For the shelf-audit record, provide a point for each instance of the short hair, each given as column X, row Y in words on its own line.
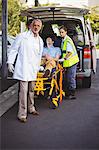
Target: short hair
column 63, row 27
column 37, row 20
column 51, row 36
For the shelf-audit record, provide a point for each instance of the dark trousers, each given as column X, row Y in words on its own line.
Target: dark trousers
column 69, row 78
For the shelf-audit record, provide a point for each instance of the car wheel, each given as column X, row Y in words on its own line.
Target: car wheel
column 86, row 82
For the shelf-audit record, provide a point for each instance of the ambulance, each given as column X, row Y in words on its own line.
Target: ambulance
column 79, row 29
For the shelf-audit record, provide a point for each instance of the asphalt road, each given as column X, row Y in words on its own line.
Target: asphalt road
column 73, row 126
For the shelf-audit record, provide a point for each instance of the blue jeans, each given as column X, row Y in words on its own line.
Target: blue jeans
column 69, row 82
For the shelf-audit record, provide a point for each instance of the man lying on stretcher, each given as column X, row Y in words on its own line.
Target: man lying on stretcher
column 50, row 55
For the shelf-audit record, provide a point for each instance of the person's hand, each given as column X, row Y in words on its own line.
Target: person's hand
column 11, row 68
column 41, row 68
column 48, row 57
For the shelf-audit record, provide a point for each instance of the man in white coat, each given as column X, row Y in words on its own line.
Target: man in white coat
column 28, row 48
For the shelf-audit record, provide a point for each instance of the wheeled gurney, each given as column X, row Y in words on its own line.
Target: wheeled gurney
column 52, row 84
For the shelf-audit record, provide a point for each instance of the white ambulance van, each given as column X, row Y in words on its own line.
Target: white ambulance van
column 79, row 30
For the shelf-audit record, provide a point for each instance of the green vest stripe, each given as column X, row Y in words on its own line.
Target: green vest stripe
column 74, row 58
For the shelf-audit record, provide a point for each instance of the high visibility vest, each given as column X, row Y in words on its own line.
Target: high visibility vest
column 73, row 59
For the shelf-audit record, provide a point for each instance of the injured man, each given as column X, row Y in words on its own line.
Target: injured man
column 51, row 55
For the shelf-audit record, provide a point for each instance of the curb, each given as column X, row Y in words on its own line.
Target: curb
column 8, row 98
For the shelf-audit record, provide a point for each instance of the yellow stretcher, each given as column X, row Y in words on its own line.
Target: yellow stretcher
column 53, row 84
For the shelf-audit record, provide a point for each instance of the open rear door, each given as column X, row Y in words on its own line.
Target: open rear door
column 51, row 12
column 92, row 46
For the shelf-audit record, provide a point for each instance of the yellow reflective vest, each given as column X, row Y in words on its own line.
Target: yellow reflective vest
column 73, row 59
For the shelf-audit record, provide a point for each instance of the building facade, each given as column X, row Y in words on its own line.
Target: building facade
column 93, row 3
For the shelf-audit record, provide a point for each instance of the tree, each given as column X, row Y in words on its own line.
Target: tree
column 94, row 18
column 14, row 18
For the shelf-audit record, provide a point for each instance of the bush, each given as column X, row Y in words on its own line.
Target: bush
column 97, row 46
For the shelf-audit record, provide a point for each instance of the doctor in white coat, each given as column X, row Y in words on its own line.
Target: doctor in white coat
column 28, row 48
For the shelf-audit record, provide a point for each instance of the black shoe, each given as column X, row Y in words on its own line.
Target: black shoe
column 70, row 97
column 46, row 74
column 72, row 94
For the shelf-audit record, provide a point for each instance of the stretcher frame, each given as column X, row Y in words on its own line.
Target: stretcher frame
column 54, row 85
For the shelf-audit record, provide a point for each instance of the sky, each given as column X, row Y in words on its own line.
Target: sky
column 63, row 2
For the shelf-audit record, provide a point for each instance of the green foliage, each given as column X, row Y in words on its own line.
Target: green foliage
column 49, row 4
column 97, row 46
column 14, row 18
column 94, row 18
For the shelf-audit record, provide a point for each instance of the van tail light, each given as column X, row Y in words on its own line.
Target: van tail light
column 87, row 53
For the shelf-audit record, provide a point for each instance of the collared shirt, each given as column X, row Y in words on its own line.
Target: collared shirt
column 52, row 51
column 37, row 44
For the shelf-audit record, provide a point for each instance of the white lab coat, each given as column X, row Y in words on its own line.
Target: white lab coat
column 28, row 59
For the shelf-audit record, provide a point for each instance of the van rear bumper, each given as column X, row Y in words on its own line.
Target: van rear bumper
column 85, row 73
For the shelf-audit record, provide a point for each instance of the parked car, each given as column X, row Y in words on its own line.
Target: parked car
column 10, row 40
column 5, row 84
column 79, row 30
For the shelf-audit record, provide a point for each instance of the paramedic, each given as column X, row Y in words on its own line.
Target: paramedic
column 28, row 48
column 71, row 59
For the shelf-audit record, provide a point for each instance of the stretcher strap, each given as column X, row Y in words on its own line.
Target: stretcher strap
column 60, row 81
column 60, row 85
column 53, row 83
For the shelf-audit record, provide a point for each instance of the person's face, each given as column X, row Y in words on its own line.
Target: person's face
column 36, row 27
column 62, row 33
column 49, row 42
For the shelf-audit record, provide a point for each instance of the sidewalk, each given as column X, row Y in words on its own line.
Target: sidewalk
column 8, row 98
